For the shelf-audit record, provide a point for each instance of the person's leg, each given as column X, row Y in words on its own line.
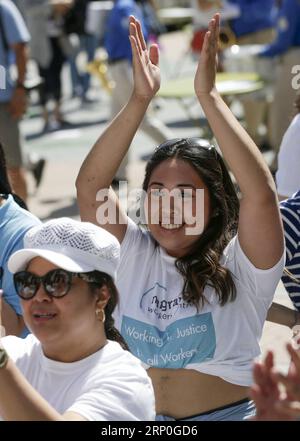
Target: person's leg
column 121, row 74
column 44, row 92
column 11, row 139
column 76, row 77
column 89, row 43
column 255, row 109
column 56, row 70
column 281, row 112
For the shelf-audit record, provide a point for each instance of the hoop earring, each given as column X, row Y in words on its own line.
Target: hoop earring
column 102, row 319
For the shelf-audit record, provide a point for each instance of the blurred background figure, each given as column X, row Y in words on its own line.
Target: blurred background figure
column 286, row 48
column 153, row 25
column 118, row 48
column 14, row 37
column 203, row 11
column 255, row 26
column 288, row 173
column 50, row 48
column 75, row 24
column 255, row 23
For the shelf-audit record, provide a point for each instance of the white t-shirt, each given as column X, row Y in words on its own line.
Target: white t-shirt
column 288, row 173
column 166, row 332
column 109, row 385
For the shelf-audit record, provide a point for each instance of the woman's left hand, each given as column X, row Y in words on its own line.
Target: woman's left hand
column 145, row 63
column 265, row 391
column 291, row 381
column 205, row 78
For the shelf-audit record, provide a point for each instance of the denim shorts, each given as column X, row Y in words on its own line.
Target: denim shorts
column 239, row 411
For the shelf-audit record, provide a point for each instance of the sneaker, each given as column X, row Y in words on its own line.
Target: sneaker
column 37, row 171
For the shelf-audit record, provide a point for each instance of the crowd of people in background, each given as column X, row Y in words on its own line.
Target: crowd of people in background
column 167, row 323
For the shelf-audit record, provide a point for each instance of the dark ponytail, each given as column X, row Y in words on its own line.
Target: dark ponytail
column 5, row 187
column 109, row 325
column 111, row 331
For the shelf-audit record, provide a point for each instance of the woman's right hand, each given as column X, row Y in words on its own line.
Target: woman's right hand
column 146, row 72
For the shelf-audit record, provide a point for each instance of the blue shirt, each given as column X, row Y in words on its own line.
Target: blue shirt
column 116, row 39
column 287, row 28
column 15, row 31
column 290, row 211
column 255, row 16
column 14, row 223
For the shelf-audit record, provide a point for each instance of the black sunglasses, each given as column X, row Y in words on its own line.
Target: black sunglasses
column 56, row 283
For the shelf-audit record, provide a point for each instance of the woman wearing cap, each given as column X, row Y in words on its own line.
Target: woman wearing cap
column 70, row 368
column 192, row 303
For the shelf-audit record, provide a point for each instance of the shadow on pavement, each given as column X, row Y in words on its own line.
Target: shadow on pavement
column 70, row 210
column 68, row 126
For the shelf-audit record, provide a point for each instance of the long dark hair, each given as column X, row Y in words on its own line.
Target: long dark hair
column 109, row 325
column 201, row 267
column 5, row 187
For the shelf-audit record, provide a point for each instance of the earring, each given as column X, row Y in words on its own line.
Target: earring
column 102, row 319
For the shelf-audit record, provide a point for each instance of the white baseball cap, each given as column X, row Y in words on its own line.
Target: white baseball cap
column 75, row 246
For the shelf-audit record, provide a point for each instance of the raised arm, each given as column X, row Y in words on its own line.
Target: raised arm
column 101, row 164
column 260, row 228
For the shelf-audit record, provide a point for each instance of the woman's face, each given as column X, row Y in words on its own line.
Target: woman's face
column 57, row 320
column 177, row 206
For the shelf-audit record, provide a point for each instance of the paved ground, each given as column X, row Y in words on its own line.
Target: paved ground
column 66, row 149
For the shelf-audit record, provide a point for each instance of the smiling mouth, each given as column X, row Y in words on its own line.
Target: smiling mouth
column 171, row 226
column 44, row 316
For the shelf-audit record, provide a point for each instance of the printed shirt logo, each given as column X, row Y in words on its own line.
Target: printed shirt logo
column 153, row 303
column 186, row 341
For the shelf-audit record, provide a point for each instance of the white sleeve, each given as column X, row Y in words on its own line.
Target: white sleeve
column 20, row 349
column 133, row 245
column 260, row 282
column 14, row 346
column 117, row 399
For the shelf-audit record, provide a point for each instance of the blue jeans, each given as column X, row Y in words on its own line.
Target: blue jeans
column 240, row 411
